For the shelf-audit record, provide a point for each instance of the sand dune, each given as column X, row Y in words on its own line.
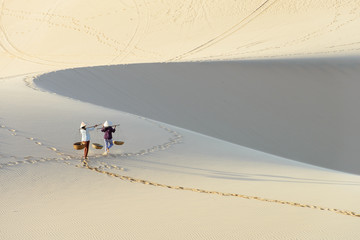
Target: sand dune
column 188, row 185
column 303, row 110
column 49, row 35
column 175, row 177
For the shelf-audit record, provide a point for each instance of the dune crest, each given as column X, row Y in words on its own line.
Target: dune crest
column 277, row 76
column 163, row 31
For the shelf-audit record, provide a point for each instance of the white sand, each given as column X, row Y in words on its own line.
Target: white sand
column 304, row 109
column 167, row 182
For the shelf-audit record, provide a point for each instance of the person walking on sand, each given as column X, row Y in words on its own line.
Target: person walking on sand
column 85, row 137
column 108, row 130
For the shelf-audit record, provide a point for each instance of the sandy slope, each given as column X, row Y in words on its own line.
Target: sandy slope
column 305, row 110
column 165, row 182
column 47, row 195
column 42, row 35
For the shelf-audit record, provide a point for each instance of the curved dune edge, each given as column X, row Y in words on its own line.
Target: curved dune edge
column 300, row 109
column 160, row 31
column 46, row 194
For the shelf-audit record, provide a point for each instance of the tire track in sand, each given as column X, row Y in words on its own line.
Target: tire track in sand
column 52, row 20
column 253, row 15
column 139, row 32
column 12, row 50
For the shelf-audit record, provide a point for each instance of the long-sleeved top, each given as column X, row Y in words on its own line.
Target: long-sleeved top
column 108, row 132
column 85, row 135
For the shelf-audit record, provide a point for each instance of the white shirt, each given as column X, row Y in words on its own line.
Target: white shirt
column 85, row 135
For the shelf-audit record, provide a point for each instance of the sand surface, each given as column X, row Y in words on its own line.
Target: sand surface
column 216, row 147
column 303, row 109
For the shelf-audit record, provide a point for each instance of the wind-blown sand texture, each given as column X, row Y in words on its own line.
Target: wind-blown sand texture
column 239, row 119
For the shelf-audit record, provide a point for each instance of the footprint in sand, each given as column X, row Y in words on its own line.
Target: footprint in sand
column 118, row 168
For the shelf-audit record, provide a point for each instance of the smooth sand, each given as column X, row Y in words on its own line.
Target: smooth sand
column 168, row 181
column 304, row 109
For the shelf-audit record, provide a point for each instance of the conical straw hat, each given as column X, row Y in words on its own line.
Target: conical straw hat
column 107, row 123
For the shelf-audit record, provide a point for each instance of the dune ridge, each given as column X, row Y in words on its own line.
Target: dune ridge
column 193, row 85
column 303, row 109
column 157, row 31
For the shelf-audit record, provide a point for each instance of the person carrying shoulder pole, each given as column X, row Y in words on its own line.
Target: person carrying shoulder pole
column 108, row 130
column 85, row 137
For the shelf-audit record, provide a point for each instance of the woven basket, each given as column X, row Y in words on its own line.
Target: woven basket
column 78, row 146
column 97, row 146
column 118, row 142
